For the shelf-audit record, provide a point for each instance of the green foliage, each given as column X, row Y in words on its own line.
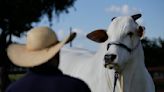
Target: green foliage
column 16, row 16
column 154, row 51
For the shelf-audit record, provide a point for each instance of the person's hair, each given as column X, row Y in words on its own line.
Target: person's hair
column 52, row 64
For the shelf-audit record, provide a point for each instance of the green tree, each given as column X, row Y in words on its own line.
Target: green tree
column 16, row 17
column 154, row 51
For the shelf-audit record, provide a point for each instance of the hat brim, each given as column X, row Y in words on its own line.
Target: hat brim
column 21, row 56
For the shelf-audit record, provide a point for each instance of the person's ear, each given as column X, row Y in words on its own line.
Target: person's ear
column 99, row 35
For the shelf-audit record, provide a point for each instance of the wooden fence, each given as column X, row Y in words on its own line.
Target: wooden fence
column 157, row 74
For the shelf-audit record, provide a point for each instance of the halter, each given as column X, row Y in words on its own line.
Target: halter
column 129, row 50
column 116, row 75
column 124, row 46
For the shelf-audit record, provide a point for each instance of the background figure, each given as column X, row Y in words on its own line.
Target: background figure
column 41, row 56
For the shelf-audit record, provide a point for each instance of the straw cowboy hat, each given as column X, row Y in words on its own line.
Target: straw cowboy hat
column 42, row 44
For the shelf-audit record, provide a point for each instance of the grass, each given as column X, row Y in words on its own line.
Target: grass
column 14, row 77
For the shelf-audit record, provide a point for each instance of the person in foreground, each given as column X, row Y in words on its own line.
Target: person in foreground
column 41, row 54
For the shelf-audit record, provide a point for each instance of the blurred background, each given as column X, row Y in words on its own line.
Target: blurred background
column 81, row 16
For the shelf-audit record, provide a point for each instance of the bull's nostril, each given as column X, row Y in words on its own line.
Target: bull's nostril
column 106, row 57
column 109, row 57
column 113, row 56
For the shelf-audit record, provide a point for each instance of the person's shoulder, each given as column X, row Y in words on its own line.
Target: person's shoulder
column 11, row 87
column 17, row 84
column 71, row 78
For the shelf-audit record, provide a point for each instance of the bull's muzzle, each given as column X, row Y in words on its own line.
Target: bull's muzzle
column 109, row 59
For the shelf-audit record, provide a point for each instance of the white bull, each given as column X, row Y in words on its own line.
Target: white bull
column 120, row 50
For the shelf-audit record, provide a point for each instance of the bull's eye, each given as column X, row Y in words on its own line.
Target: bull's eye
column 130, row 34
column 108, row 46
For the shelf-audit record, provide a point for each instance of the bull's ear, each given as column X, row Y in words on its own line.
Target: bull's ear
column 99, row 36
column 136, row 16
column 140, row 31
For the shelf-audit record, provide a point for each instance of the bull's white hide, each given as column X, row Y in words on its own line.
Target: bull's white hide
column 90, row 66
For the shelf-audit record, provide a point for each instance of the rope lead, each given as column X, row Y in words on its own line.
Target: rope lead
column 115, row 80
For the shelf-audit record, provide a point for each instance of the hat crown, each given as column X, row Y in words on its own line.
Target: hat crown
column 40, row 38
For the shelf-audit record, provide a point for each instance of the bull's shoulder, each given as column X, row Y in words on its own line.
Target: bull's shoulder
column 77, row 52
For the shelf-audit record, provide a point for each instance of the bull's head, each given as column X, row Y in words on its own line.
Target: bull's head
column 121, row 39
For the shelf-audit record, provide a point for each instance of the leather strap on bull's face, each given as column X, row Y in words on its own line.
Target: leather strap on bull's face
column 123, row 46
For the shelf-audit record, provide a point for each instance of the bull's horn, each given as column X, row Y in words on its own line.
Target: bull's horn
column 136, row 16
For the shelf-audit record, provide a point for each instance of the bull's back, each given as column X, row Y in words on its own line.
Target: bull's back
column 73, row 60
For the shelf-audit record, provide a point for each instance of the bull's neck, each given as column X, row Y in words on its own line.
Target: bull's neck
column 135, row 67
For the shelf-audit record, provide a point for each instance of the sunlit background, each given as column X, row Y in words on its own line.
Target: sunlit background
column 84, row 17
column 88, row 15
